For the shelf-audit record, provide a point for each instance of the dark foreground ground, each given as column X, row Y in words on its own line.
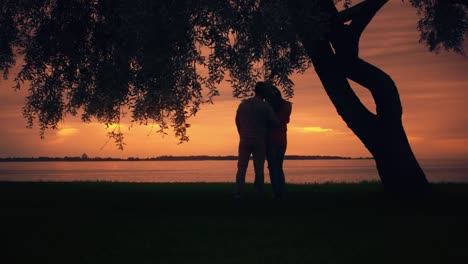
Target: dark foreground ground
column 201, row 223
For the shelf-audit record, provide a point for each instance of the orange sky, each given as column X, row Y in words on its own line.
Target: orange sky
column 433, row 90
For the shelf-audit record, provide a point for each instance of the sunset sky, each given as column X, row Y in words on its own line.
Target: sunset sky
column 433, row 90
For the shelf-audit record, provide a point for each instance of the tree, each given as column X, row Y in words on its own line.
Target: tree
column 102, row 58
column 383, row 133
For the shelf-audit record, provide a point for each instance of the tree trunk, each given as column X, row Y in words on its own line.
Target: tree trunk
column 387, row 141
column 382, row 133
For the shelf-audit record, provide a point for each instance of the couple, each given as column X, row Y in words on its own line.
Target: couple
column 262, row 124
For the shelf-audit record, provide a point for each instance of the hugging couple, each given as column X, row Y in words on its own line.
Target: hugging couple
column 262, row 125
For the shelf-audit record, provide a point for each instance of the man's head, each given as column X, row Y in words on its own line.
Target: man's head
column 261, row 89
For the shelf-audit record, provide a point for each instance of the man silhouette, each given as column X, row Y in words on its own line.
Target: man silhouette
column 253, row 118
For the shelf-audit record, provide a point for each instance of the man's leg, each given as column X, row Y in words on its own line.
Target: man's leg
column 259, row 154
column 242, row 164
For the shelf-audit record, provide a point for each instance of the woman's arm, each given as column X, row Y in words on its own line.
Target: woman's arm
column 285, row 112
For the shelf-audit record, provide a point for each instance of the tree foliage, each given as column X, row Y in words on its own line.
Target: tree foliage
column 160, row 60
column 442, row 23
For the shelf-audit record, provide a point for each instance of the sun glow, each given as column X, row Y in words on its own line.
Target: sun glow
column 314, row 129
column 67, row 131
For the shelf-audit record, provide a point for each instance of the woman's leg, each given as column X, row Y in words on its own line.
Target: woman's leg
column 275, row 157
column 271, row 167
column 281, row 150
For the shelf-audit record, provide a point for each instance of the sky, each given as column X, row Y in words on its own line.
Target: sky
column 433, row 91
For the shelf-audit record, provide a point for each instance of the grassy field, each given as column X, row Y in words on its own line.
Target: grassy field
column 200, row 223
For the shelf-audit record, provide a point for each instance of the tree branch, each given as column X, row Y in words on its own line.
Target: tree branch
column 381, row 86
column 356, row 10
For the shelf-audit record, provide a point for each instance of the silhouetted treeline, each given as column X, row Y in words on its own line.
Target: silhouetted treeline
column 168, row 158
column 231, row 157
column 59, row 159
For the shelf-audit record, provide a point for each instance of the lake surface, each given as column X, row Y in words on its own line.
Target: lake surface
column 297, row 171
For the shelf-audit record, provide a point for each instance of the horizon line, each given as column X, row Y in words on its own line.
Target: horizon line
column 84, row 157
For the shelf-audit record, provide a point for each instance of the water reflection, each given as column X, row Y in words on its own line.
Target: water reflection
column 297, row 171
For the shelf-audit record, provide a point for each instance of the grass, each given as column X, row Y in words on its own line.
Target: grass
column 99, row 222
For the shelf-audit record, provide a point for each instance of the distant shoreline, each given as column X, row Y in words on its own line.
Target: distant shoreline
column 168, row 158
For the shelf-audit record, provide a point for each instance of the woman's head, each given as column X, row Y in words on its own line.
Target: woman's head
column 274, row 98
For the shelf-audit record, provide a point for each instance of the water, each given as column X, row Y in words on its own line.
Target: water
column 297, row 171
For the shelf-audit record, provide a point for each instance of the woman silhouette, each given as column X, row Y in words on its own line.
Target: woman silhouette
column 277, row 141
